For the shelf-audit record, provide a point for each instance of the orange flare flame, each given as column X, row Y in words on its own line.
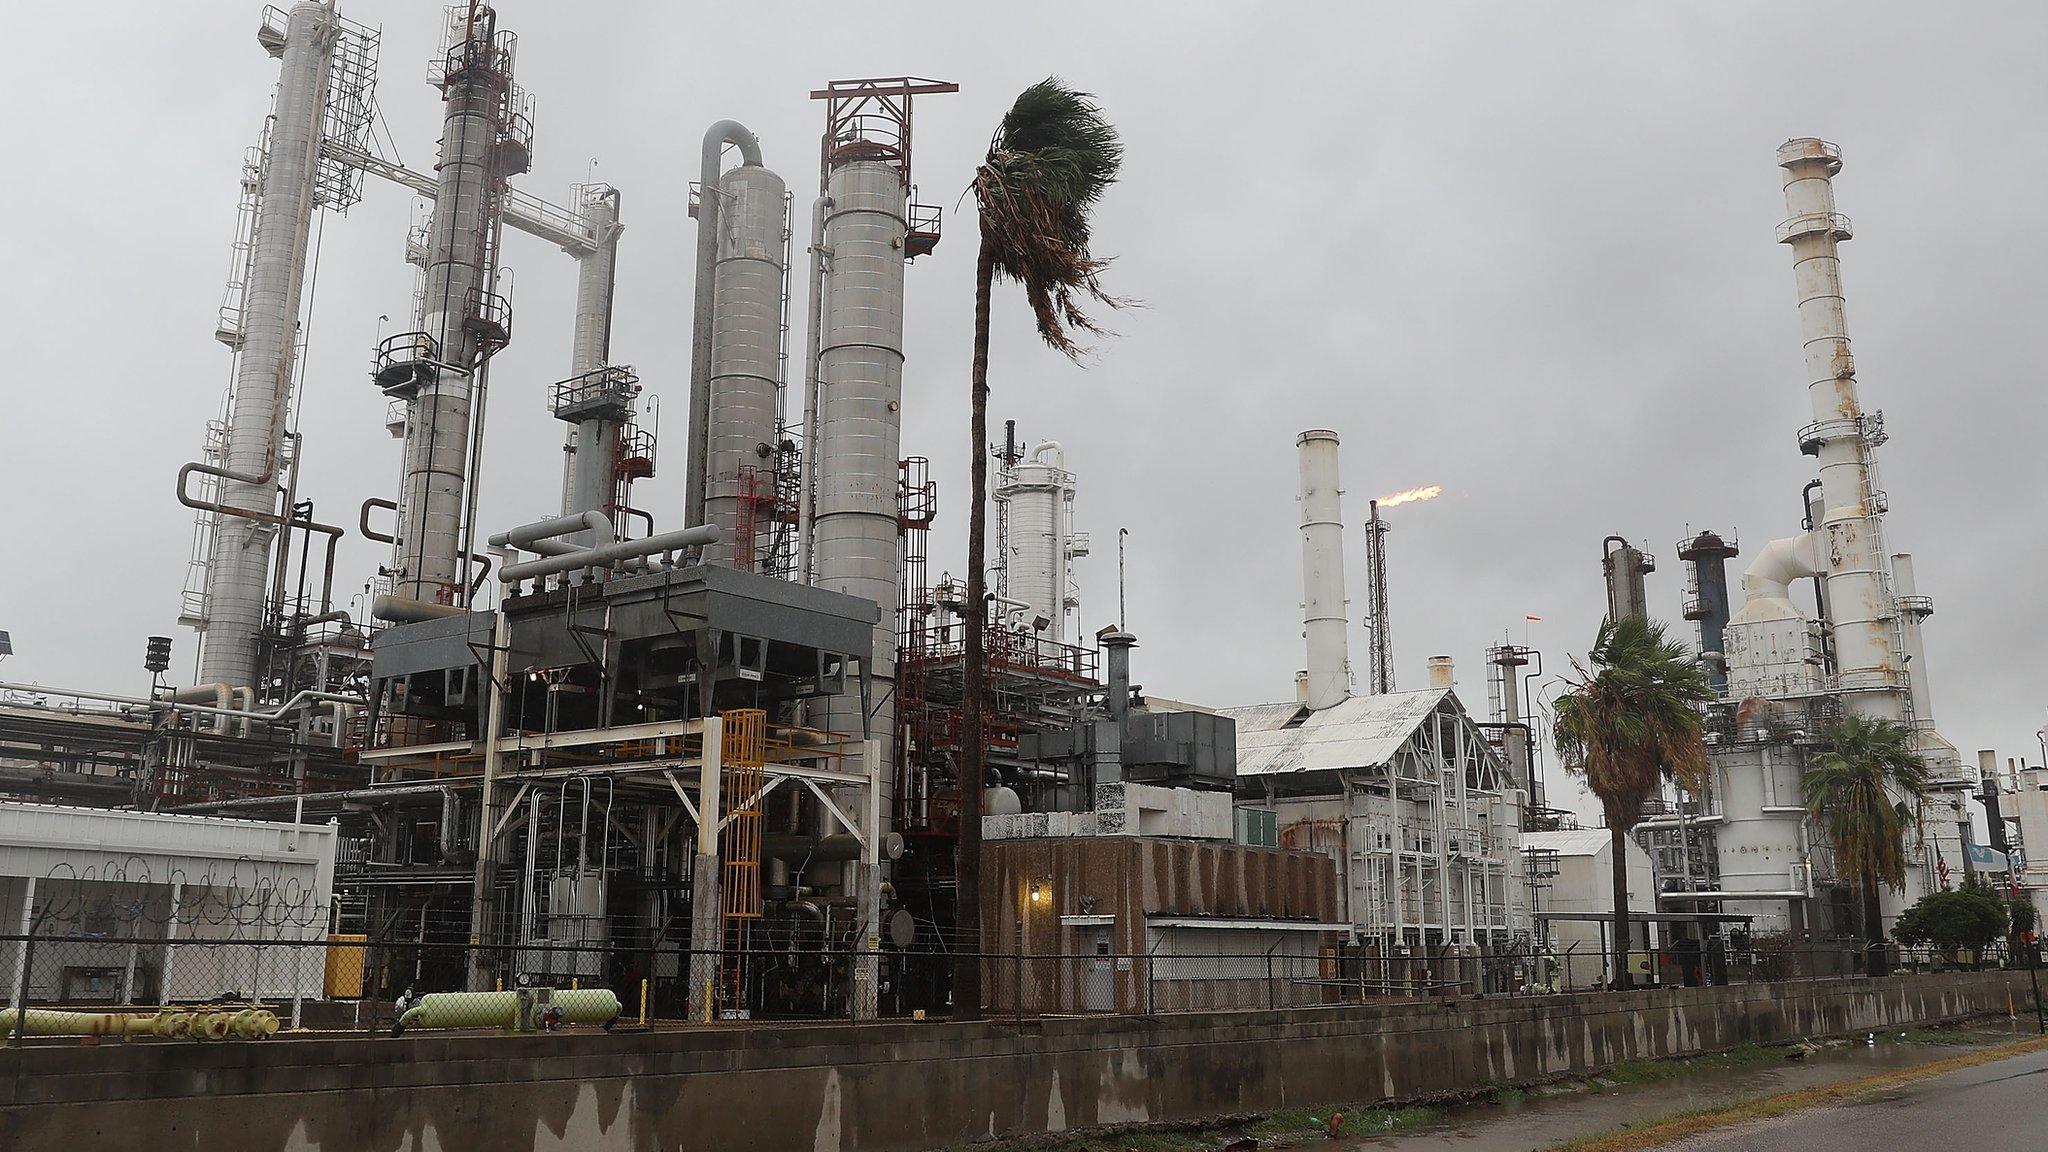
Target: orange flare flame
column 1430, row 492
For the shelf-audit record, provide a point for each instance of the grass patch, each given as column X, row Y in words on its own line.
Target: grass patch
column 1745, row 1055
column 1634, row 1138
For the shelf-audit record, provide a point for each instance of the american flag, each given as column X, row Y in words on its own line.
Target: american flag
column 1941, row 868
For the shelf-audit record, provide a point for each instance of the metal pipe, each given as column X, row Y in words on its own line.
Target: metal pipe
column 395, row 609
column 710, row 162
column 527, row 535
column 611, row 554
column 807, row 491
column 1322, row 571
column 286, row 709
column 829, row 849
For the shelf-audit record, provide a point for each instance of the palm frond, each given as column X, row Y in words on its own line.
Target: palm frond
column 1867, row 788
column 1634, row 720
column 1051, row 159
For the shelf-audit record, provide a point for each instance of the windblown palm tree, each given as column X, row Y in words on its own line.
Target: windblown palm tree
column 1050, row 161
column 1867, row 789
column 1631, row 723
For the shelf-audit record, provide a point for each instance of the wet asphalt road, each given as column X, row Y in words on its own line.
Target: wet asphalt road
column 1997, row 1107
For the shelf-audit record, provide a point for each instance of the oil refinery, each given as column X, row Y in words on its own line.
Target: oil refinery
column 693, row 729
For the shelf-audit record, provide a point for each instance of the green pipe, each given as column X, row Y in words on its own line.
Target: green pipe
column 501, row 1009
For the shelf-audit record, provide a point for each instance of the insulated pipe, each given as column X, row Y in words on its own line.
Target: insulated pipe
column 393, row 609
column 710, row 162
column 611, row 554
column 527, row 536
column 1777, row 564
column 238, row 566
column 1322, row 572
column 283, row 710
column 807, row 492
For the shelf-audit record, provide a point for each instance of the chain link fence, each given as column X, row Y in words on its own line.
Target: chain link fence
column 179, row 982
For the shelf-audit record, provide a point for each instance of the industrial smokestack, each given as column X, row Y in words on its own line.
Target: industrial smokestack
column 1442, row 671
column 1624, row 566
column 1322, row 572
column 1859, row 601
column 1116, row 646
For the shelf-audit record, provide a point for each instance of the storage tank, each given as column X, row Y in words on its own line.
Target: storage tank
column 746, row 363
column 1040, row 495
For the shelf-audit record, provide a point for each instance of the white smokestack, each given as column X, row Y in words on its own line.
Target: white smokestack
column 1322, row 572
column 1441, row 672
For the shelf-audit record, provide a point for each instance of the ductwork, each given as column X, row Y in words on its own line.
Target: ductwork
column 1770, row 575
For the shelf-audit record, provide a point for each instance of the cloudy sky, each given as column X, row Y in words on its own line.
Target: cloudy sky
column 1521, row 251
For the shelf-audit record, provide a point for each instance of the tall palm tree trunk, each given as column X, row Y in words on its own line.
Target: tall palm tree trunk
column 1873, row 930
column 1619, row 850
column 974, row 693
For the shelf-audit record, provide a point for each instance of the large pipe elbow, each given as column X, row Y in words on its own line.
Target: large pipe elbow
column 734, row 133
column 1777, row 565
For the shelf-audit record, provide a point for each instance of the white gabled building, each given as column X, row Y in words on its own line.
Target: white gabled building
column 1404, row 791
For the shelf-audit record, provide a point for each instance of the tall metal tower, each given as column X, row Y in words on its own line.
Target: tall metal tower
column 441, row 371
column 871, row 229
column 324, row 100
column 1379, row 623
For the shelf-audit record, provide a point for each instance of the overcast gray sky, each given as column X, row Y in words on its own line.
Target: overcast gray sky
column 1521, row 251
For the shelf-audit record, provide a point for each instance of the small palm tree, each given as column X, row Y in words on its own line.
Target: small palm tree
column 1866, row 789
column 1627, row 726
column 1051, row 159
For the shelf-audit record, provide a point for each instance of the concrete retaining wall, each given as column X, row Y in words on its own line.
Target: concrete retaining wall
column 886, row 1087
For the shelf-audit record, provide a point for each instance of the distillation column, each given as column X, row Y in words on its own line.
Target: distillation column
column 855, row 538
column 600, row 403
column 238, row 571
column 1042, row 541
column 752, row 224
column 462, row 315
column 1859, row 597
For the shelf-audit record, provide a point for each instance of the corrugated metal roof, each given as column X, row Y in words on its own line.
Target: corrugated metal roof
column 1362, row 732
column 1568, row 841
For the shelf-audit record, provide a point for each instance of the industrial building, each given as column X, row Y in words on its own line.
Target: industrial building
column 1403, row 790
column 717, row 753
column 1786, row 662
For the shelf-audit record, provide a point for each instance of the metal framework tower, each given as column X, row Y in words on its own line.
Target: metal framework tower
column 1379, row 622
